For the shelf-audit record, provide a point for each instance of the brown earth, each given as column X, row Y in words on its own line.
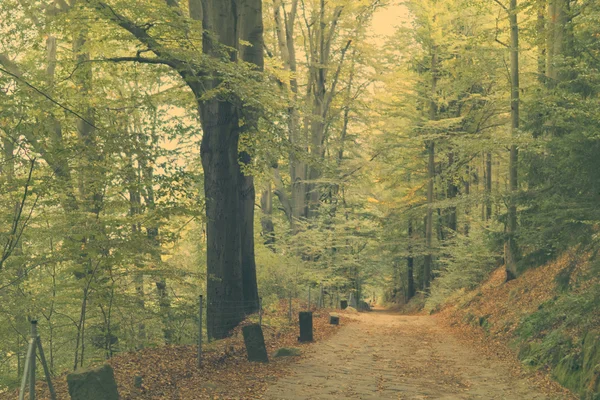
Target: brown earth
column 386, row 355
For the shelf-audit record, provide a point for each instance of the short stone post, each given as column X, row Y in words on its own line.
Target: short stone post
column 290, row 308
column 255, row 343
column 200, row 332
column 306, row 326
column 260, row 311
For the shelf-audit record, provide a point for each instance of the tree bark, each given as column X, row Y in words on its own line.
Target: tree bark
column 250, row 30
column 452, row 193
column 410, row 290
column 510, row 245
column 555, row 35
column 428, row 261
column 266, row 221
column 488, row 186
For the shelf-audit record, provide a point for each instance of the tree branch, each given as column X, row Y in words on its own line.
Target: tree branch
column 141, row 60
column 501, row 5
column 17, row 77
column 13, row 238
column 336, row 78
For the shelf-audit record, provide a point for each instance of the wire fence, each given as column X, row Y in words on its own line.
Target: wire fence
column 204, row 324
column 227, row 314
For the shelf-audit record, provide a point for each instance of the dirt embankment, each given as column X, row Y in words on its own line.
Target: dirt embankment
column 545, row 321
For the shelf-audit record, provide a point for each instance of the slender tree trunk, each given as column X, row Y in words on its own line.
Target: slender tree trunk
column 410, row 290
column 80, row 330
column 467, row 189
column 428, row 262
column 284, row 25
column 452, row 193
column 266, row 205
column 555, row 36
column 488, row 186
column 510, row 245
column 540, row 40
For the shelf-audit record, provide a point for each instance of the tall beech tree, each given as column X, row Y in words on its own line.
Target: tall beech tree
column 224, row 114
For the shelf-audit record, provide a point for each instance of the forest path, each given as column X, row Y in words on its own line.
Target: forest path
column 391, row 356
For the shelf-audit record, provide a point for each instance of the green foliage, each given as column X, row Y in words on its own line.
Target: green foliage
column 546, row 338
column 465, row 262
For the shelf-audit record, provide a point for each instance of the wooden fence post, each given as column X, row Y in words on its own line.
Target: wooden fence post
column 290, row 308
column 200, row 332
column 260, row 311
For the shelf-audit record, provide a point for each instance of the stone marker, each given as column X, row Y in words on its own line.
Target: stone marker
column 344, row 304
column 137, row 381
column 255, row 343
column 334, row 320
column 306, row 327
column 363, row 306
column 93, row 384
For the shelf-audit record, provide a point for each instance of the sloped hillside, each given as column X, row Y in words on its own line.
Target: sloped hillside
column 549, row 316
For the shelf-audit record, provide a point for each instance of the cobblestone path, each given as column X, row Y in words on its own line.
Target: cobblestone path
column 391, row 356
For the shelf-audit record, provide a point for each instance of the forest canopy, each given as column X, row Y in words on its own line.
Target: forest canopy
column 153, row 151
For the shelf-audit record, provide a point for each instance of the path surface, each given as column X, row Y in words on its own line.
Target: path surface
column 391, row 356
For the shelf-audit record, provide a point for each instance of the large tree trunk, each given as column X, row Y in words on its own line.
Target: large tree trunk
column 230, row 195
column 510, row 245
column 219, row 152
column 247, row 198
column 250, row 30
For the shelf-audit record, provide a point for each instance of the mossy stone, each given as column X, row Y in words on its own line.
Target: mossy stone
column 93, row 384
column 287, row 352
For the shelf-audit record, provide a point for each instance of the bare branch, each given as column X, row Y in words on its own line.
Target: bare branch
column 15, row 235
column 141, row 60
column 336, row 77
column 67, row 109
column 501, row 5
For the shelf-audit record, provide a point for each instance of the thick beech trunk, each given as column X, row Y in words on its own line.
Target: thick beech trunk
column 250, row 30
column 219, row 151
column 230, row 194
